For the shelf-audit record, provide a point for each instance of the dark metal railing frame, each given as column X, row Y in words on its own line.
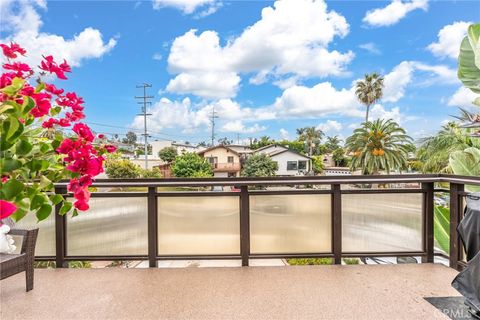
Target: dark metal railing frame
column 427, row 189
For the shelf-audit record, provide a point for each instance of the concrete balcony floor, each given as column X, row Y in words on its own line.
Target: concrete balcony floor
column 289, row 292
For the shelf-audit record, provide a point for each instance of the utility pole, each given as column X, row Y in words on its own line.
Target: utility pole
column 213, row 116
column 238, row 138
column 144, row 113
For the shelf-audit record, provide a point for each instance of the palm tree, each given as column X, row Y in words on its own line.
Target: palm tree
column 332, row 143
column 369, row 90
column 311, row 136
column 379, row 145
column 435, row 151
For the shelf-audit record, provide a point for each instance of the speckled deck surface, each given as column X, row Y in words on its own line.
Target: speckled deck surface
column 290, row 292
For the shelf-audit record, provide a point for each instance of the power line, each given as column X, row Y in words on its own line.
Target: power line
column 145, row 102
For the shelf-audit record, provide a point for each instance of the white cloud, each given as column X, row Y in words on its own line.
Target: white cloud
column 330, row 125
column 238, row 126
column 319, row 100
column 394, row 12
column 24, row 23
column 285, row 41
column 370, row 47
column 379, row 112
column 449, row 39
column 284, row 134
column 205, row 84
column 438, row 73
column 187, row 6
column 396, row 81
column 157, row 56
column 463, row 97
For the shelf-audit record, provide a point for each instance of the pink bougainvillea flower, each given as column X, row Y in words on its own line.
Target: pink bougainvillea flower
column 110, row 148
column 101, row 136
column 10, row 51
column 49, row 65
column 6, row 209
column 53, row 90
column 18, row 67
column 4, row 179
column 83, row 131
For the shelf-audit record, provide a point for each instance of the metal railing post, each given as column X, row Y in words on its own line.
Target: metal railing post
column 60, row 232
column 455, row 216
column 244, row 225
column 152, row 228
column 428, row 216
column 337, row 223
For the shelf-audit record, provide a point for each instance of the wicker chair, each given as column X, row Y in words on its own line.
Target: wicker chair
column 11, row 264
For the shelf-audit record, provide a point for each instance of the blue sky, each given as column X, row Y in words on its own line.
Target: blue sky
column 267, row 67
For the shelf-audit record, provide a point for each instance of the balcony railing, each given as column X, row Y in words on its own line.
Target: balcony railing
column 275, row 217
column 228, row 166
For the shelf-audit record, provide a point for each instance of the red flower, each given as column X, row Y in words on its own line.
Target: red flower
column 83, row 131
column 66, row 146
column 4, row 179
column 53, row 90
column 12, row 50
column 49, row 123
column 101, row 136
column 6, row 79
column 18, row 67
column 81, row 205
column 49, row 65
column 6, row 209
column 110, row 148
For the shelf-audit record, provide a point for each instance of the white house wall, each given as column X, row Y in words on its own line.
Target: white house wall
column 282, row 160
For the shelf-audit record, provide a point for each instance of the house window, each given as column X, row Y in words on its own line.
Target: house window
column 292, row 165
column 213, row 160
column 302, row 165
column 230, row 159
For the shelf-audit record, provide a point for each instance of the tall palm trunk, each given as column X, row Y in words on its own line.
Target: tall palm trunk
column 368, row 111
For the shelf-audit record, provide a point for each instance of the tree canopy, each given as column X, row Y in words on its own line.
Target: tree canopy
column 191, row 165
column 168, row 154
column 259, row 165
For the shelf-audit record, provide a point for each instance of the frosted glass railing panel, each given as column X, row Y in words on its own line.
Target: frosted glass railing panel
column 198, row 225
column 290, row 223
column 382, row 222
column 112, row 226
column 46, row 233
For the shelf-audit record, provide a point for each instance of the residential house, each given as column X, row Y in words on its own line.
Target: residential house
column 225, row 161
column 290, row 163
column 158, row 145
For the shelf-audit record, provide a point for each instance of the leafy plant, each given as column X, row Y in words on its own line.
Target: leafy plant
column 168, row 154
column 317, row 164
column 466, row 163
column 259, row 165
column 351, row 261
column 469, row 60
column 441, row 227
column 34, row 152
column 309, row 261
column 379, row 145
column 311, row 137
column 122, row 169
column 191, row 165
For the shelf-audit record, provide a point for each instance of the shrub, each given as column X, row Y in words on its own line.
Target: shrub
column 309, row 261
column 191, row 165
column 259, row 165
column 168, row 154
column 122, row 169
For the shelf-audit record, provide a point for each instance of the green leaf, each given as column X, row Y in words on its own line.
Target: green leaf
column 38, row 165
column 39, row 87
column 23, row 147
column 55, row 110
column 66, row 207
column 45, row 183
column 38, row 201
column 441, row 222
column 19, row 214
column 11, row 130
column 56, row 199
column 469, row 59
column 9, row 165
column 24, row 204
column 43, row 212
column 12, row 188
column 45, row 147
column 17, row 84
column 75, row 213
column 466, row 163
